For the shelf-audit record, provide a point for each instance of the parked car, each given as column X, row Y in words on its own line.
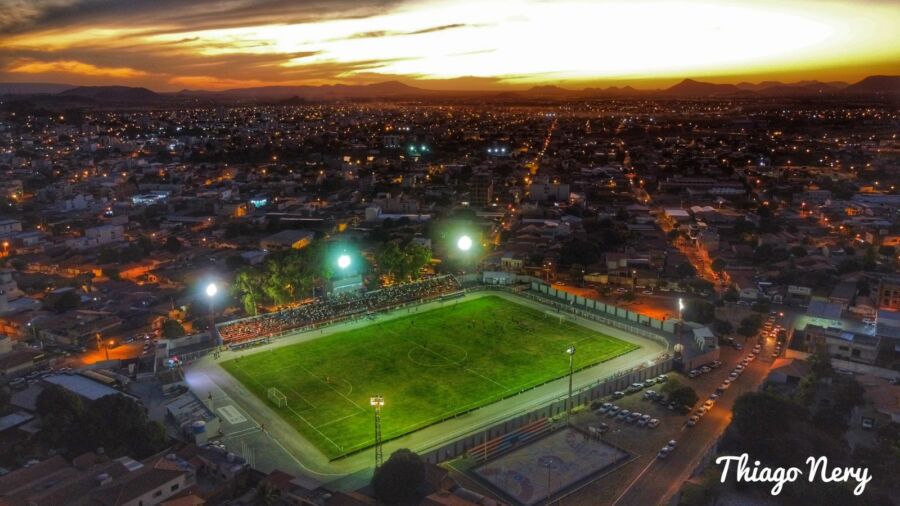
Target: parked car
column 649, row 382
column 709, row 404
column 603, row 428
column 693, row 421
column 604, row 407
column 715, row 364
column 705, row 369
column 617, row 395
column 650, row 394
column 694, row 373
column 634, row 387
column 623, row 414
column 663, row 453
column 671, row 444
column 725, row 384
column 613, row 411
column 633, row 417
column 701, row 411
column 662, row 378
column 653, row 423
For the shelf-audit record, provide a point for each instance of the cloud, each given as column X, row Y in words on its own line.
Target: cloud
column 21, row 16
column 73, row 67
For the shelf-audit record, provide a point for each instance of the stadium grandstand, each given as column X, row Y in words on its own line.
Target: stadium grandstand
column 337, row 308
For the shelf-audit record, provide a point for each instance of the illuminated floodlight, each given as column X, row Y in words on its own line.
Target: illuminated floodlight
column 344, row 261
column 211, row 290
column 681, row 304
column 464, row 243
column 376, row 401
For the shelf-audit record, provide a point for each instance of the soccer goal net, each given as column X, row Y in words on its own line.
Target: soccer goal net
column 559, row 317
column 277, row 398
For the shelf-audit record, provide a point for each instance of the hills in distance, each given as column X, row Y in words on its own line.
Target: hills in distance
column 62, row 94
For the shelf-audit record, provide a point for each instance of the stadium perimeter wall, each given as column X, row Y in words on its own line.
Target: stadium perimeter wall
column 555, row 408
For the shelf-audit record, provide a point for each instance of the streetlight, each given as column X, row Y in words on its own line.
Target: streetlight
column 464, row 243
column 571, row 351
column 680, row 307
column 344, row 261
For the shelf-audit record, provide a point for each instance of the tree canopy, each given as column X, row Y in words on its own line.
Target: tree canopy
column 398, row 480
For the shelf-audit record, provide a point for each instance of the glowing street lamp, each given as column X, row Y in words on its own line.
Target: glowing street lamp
column 464, row 243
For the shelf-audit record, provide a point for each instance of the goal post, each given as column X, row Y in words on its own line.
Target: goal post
column 560, row 317
column 277, row 398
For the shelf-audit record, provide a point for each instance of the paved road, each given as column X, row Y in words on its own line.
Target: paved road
column 662, row 479
column 281, row 446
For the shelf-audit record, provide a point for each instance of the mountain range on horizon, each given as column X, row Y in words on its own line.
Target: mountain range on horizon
column 884, row 86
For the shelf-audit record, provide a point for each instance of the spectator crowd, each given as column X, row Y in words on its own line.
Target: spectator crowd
column 330, row 309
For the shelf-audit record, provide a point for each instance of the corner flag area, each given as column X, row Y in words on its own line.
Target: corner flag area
column 429, row 366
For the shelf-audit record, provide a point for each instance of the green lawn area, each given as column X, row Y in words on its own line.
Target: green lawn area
column 428, row 366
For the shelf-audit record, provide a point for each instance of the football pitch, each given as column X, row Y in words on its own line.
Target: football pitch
column 429, row 366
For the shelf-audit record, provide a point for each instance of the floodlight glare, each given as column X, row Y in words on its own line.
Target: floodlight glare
column 681, row 304
column 464, row 243
column 211, row 290
column 344, row 261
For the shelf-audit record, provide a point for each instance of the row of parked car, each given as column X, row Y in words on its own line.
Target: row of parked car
column 637, row 387
column 704, row 369
column 623, row 415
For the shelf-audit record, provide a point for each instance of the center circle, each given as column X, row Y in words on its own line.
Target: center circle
column 437, row 355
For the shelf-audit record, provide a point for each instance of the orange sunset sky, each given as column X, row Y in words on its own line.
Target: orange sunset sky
column 487, row 44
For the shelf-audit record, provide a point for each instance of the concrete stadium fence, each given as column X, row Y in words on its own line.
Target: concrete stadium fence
column 553, row 409
column 614, row 316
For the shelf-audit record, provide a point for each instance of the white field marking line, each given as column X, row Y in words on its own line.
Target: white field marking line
column 449, row 362
column 336, row 420
column 239, row 433
column 275, row 440
column 333, row 389
column 262, row 385
column 304, row 399
column 313, row 427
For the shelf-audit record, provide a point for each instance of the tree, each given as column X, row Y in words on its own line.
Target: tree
column 60, row 411
column 684, row 396
column 722, row 327
column 171, row 329
column 699, row 311
column 173, row 245
column 120, row 425
column 398, row 480
column 820, row 365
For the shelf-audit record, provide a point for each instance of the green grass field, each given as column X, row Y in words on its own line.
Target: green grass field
column 429, row 366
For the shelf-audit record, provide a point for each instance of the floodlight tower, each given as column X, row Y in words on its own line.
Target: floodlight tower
column 377, row 402
column 211, row 291
column 571, row 352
